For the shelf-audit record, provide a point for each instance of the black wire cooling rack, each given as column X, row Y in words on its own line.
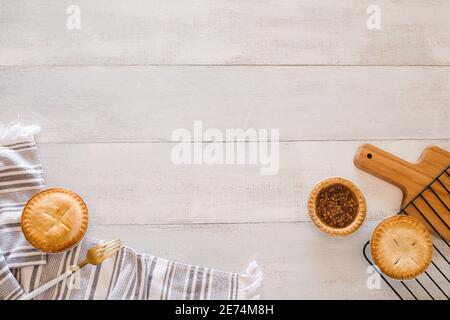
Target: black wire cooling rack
column 434, row 283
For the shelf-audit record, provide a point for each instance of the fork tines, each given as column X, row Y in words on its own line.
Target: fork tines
column 109, row 247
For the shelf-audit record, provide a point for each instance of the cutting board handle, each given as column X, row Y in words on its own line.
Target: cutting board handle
column 412, row 178
column 384, row 165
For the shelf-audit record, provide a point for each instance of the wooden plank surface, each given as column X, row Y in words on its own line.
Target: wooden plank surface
column 137, row 32
column 112, row 176
column 146, row 104
column 108, row 97
column 298, row 262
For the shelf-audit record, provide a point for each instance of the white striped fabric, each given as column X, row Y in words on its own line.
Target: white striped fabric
column 127, row 275
column 20, row 177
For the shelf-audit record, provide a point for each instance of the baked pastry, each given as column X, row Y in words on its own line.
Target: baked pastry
column 401, row 247
column 54, row 220
column 337, row 206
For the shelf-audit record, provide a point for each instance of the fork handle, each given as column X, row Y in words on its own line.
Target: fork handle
column 50, row 284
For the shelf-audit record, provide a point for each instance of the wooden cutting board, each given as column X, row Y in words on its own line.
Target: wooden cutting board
column 412, row 178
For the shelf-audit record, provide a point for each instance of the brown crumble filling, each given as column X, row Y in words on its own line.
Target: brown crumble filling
column 336, row 206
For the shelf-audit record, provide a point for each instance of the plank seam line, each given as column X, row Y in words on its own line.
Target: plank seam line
column 219, row 65
column 247, row 141
column 213, row 223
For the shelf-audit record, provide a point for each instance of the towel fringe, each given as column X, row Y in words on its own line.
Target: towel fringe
column 15, row 131
column 250, row 282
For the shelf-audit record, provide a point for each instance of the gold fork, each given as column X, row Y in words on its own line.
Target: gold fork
column 95, row 256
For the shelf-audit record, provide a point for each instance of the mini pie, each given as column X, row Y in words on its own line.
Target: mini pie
column 401, row 247
column 337, row 206
column 54, row 220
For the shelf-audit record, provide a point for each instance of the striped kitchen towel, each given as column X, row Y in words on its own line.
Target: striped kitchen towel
column 127, row 275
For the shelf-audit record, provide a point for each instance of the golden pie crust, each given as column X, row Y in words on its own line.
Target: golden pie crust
column 54, row 220
column 401, row 246
column 360, row 215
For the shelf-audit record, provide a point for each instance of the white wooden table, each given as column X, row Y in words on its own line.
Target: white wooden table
column 108, row 96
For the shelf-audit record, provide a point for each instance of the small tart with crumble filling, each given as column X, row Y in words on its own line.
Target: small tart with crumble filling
column 54, row 220
column 401, row 247
column 337, row 206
